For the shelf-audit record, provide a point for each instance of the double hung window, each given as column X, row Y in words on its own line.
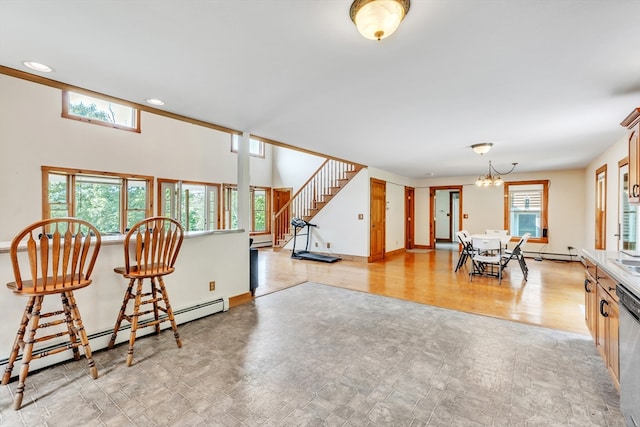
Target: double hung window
column 526, row 209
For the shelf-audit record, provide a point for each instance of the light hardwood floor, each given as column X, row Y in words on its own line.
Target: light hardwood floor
column 553, row 297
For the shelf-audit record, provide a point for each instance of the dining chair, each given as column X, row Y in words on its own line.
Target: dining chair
column 151, row 249
column 51, row 257
column 516, row 253
column 466, row 250
column 487, row 260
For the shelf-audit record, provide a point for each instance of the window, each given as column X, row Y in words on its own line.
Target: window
column 100, row 111
column 260, row 199
column 194, row 204
column 256, row 146
column 526, row 209
column 112, row 202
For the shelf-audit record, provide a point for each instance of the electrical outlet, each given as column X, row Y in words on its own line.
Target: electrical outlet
column 328, row 245
column 316, row 244
column 212, row 285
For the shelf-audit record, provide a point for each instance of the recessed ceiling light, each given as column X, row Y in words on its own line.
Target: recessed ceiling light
column 37, row 66
column 154, row 101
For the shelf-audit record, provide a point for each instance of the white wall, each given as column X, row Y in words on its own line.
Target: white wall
column 291, row 168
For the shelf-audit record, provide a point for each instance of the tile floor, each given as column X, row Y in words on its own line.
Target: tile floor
column 316, row 355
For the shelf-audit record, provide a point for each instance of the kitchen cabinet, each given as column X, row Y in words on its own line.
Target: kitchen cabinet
column 632, row 122
column 590, row 297
column 608, row 317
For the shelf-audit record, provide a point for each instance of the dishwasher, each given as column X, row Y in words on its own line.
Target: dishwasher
column 629, row 356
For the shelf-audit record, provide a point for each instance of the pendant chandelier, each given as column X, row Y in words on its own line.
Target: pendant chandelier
column 378, row 19
column 493, row 178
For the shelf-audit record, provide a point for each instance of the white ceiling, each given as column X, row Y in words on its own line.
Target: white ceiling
column 548, row 82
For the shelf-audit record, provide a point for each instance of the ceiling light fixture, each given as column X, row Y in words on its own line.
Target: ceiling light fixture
column 378, row 19
column 493, row 180
column 37, row 66
column 155, row 101
column 482, row 148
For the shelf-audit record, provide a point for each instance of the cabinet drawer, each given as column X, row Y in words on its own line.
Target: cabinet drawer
column 590, row 267
column 607, row 283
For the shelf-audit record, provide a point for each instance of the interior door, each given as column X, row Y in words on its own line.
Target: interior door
column 409, row 209
column 457, row 212
column 378, row 216
column 281, row 197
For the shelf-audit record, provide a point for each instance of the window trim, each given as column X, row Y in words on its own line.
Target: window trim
column 268, row 208
column 544, row 215
column 67, row 115
column 71, row 193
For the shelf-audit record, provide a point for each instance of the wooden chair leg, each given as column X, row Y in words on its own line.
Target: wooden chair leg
column 172, row 319
column 79, row 328
column 68, row 317
column 19, row 341
column 123, row 308
column 154, row 296
column 134, row 322
column 28, row 349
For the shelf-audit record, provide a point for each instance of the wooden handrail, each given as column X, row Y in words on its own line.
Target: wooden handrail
column 321, row 186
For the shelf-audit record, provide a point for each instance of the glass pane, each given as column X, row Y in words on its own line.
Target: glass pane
column 136, row 194
column 193, row 207
column 100, row 109
column 629, row 215
column 98, row 201
column 57, row 188
column 259, row 210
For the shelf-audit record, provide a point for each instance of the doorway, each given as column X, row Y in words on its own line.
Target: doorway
column 445, row 205
column 601, row 208
column 377, row 232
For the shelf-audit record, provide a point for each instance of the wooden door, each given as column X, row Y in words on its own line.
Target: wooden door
column 377, row 231
column 281, row 197
column 409, row 211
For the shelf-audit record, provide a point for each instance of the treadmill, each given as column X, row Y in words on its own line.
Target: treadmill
column 299, row 224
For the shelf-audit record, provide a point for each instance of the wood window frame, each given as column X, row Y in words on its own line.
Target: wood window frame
column 544, row 215
column 67, row 115
column 179, row 182
column 71, row 190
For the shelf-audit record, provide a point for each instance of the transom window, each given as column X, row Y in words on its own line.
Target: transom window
column 194, row 204
column 526, row 209
column 112, row 202
column 101, row 111
column 256, row 147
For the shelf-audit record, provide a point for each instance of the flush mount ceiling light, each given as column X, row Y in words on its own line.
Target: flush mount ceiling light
column 37, row 66
column 378, row 19
column 493, row 180
column 482, row 148
column 155, row 101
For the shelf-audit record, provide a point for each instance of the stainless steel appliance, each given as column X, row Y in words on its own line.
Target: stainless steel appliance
column 629, row 356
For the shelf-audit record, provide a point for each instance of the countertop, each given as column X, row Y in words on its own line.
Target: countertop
column 606, row 261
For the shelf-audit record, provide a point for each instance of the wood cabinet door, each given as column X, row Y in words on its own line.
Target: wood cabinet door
column 613, row 343
column 601, row 324
column 590, row 304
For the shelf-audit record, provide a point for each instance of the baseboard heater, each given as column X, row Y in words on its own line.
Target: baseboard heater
column 100, row 340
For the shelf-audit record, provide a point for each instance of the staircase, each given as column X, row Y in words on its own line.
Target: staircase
column 323, row 185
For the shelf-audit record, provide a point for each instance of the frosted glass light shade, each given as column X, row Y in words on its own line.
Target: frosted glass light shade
column 378, row 19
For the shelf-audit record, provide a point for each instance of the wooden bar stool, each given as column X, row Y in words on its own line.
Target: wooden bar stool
column 150, row 251
column 59, row 258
